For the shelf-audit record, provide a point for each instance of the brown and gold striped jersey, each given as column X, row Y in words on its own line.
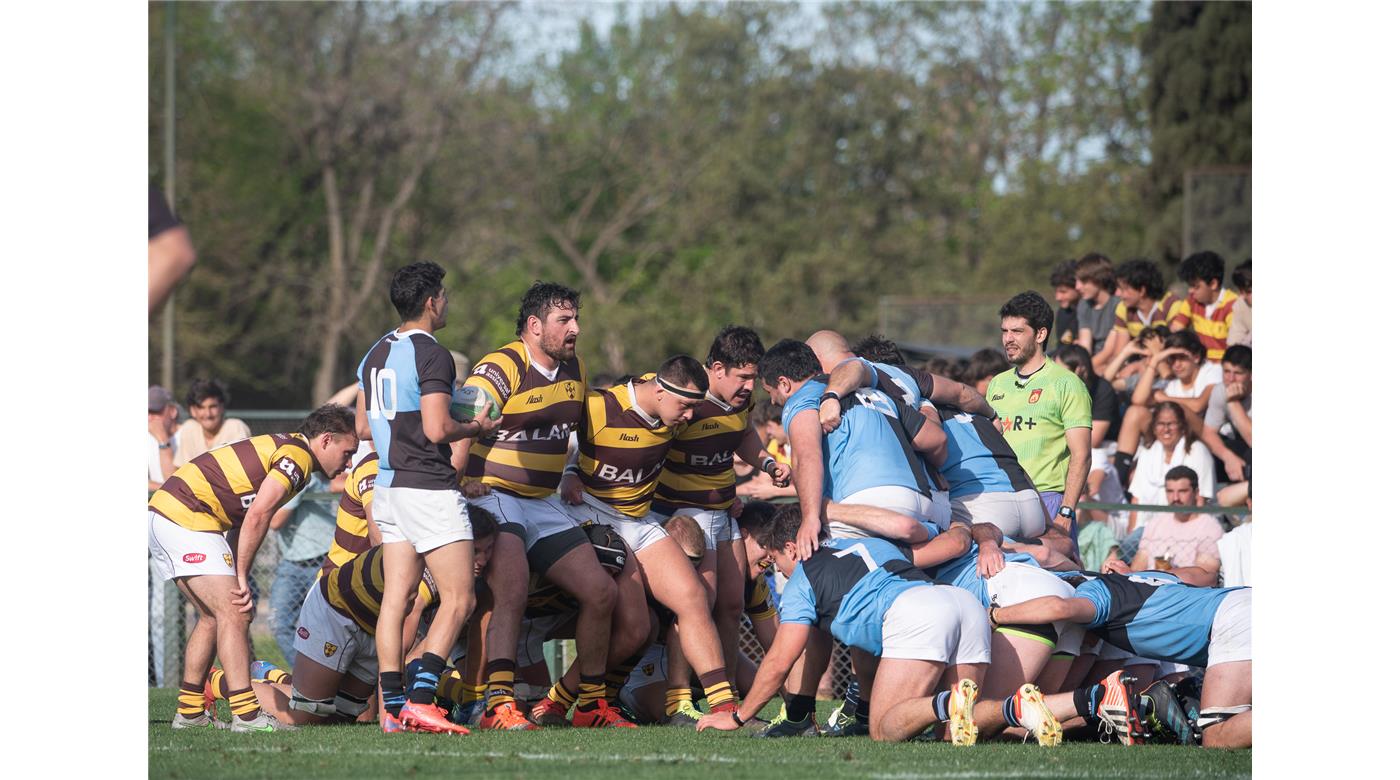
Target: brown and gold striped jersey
column 355, row 589
column 538, row 412
column 757, row 604
column 620, row 450
column 699, row 468
column 214, row 490
column 351, row 521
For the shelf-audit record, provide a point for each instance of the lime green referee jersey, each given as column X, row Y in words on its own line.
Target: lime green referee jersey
column 1035, row 413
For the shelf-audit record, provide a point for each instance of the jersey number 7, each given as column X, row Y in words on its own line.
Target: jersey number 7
column 858, row 549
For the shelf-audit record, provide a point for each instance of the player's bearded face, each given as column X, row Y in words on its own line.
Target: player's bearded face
column 734, row 386
column 1018, row 339
column 559, row 333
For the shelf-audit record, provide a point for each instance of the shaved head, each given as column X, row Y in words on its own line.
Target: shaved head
column 831, row 348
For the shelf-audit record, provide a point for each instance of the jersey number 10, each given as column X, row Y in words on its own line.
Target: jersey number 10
column 383, row 384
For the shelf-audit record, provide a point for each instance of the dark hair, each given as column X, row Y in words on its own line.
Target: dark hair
column 1183, row 472
column 782, row 528
column 939, row 365
column 1095, row 268
column 600, row 381
column 1160, row 330
column 330, row 418
column 413, row 285
column 984, row 363
column 790, row 358
column 1140, row 274
column 1238, row 355
column 540, row 298
column 483, row 520
column 735, row 346
column 1062, row 275
column 201, row 389
column 1187, row 340
column 878, row 349
column 756, row 515
column 1181, row 421
column 1075, row 357
column 1033, row 308
column 682, row 370
column 1243, row 277
column 765, row 411
column 1202, row 266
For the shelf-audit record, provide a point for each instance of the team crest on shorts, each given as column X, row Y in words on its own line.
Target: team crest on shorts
column 648, row 669
column 1035, row 395
column 228, row 559
column 330, row 649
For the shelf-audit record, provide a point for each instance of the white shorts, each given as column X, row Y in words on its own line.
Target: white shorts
column 427, row 518
column 716, row 524
column 933, row 512
column 638, row 532
column 334, row 640
column 176, row 551
column 1019, row 514
column 534, row 632
column 1230, row 631
column 648, row 671
column 543, row 524
column 937, row 623
column 1020, row 582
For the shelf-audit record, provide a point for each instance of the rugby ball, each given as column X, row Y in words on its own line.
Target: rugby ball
column 467, row 402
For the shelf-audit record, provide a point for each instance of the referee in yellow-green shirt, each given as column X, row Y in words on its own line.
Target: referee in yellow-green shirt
column 1045, row 416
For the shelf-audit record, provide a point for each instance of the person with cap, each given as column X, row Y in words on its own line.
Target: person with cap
column 162, row 418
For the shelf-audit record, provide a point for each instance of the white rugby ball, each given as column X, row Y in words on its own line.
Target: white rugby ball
column 468, row 401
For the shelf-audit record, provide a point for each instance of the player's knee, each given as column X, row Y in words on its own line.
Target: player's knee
column 602, row 597
column 629, row 636
column 316, row 708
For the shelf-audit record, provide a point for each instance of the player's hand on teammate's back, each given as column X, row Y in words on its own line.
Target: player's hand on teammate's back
column 990, row 560
column 829, row 415
column 807, row 538
column 571, row 489
column 782, row 474
column 717, row 720
column 1116, row 566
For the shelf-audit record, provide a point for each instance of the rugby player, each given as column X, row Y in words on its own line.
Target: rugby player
column 1154, row 615
column 622, row 446
column 865, row 593
column 355, row 530
column 698, row 478
column 539, row 384
column 227, row 492
column 405, row 391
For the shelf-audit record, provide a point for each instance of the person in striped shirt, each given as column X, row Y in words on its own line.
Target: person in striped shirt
column 1209, row 309
column 233, row 491
column 354, row 530
column 1143, row 298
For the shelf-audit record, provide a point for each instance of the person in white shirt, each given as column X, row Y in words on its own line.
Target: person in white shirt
column 162, row 416
column 1174, row 445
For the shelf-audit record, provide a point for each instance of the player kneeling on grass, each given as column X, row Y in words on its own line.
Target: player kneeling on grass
column 865, row 593
column 1154, row 615
column 336, row 666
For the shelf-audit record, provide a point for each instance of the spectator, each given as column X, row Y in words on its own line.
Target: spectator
column 1190, row 385
column 1093, row 277
column 1143, row 300
column 169, row 253
column 1185, row 543
column 1242, row 326
column 304, row 527
column 1173, row 445
column 1237, row 553
column 162, row 415
column 1066, row 327
column 984, row 364
column 1103, row 484
column 207, row 427
column 1128, row 365
column 1226, row 429
column 1209, row 309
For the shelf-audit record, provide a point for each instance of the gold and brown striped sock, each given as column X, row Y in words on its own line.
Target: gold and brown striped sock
column 244, row 703
column 191, row 700
column 717, row 691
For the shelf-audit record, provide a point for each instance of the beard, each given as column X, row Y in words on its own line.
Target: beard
column 558, row 350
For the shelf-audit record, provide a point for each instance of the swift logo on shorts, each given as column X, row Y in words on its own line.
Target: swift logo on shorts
column 303, row 633
column 194, row 558
column 330, row 649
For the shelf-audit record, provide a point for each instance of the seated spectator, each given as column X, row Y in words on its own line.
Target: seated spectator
column 1143, row 298
column 1242, row 325
column 981, row 367
column 207, row 427
column 1184, row 543
column 162, row 415
column 1067, row 298
column 1226, row 429
column 1209, row 309
column 1093, row 277
column 1174, row 445
column 1190, row 385
column 1124, row 370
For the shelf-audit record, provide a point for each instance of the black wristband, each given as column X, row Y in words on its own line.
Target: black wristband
column 829, row 394
column 738, row 721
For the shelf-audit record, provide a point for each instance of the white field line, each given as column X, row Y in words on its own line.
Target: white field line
column 667, row 758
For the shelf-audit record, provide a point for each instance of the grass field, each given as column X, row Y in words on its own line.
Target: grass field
column 344, row 752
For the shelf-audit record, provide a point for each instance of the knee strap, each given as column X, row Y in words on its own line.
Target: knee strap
column 350, row 706
column 1213, row 716
column 321, row 708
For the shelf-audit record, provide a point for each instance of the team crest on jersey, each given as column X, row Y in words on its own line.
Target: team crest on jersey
column 228, row 559
column 1035, row 395
column 330, row 649
column 569, row 388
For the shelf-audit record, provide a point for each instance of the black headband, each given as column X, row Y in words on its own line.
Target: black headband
column 694, row 395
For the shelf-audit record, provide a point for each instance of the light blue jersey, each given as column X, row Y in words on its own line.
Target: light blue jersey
column 394, row 376
column 1153, row 614
column 961, row 572
column 872, row 445
column 846, row 587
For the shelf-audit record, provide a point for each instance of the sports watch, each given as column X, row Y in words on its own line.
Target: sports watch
column 1067, row 512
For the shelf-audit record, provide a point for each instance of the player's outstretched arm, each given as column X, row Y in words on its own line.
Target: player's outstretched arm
column 805, row 435
column 844, row 380
column 878, row 521
column 751, row 451
column 787, row 647
column 951, row 392
column 271, row 495
column 954, row 542
column 1046, row 609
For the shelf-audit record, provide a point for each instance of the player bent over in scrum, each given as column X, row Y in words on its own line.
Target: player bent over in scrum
column 865, row 593
column 233, row 491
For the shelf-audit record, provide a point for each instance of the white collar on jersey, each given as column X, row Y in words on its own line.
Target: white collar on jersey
column 632, row 394
column 403, row 334
column 548, row 373
column 722, row 405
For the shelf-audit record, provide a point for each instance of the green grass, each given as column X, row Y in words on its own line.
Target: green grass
column 343, row 752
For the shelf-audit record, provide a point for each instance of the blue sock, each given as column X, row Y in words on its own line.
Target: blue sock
column 940, row 704
column 1008, row 711
column 422, row 688
column 391, row 688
